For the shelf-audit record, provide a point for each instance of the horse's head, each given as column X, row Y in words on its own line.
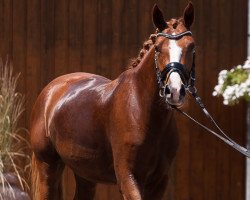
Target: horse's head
column 174, row 54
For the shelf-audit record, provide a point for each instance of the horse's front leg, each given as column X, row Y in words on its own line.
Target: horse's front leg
column 124, row 163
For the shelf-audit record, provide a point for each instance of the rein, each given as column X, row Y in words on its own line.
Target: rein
column 225, row 138
column 189, row 82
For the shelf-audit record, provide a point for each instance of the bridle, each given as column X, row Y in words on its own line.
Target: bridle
column 188, row 80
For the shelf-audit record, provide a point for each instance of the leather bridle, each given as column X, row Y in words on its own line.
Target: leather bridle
column 188, row 78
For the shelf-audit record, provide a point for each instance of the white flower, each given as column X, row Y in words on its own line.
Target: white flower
column 225, row 102
column 230, row 90
column 215, row 93
column 221, row 81
column 222, row 76
column 223, row 72
column 247, row 64
column 217, row 90
column 232, row 93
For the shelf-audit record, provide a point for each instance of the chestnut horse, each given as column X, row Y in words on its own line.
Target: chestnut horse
column 119, row 131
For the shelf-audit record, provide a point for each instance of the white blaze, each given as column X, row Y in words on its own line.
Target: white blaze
column 174, row 51
column 175, row 81
column 174, row 56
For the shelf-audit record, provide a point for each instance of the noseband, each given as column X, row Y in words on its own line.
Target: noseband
column 188, row 78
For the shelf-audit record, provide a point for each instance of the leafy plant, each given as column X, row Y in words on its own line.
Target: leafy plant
column 13, row 145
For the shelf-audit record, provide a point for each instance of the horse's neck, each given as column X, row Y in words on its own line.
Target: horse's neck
column 145, row 76
column 153, row 107
column 145, row 81
column 139, row 85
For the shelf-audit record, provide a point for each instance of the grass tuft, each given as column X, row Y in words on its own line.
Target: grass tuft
column 13, row 144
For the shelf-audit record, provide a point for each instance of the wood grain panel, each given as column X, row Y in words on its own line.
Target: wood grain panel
column 33, row 58
column 7, row 28
column 47, row 41
column 90, row 32
column 75, row 35
column 61, row 37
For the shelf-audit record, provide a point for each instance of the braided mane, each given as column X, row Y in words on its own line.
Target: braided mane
column 146, row 46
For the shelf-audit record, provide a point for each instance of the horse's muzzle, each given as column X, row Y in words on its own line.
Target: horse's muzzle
column 174, row 95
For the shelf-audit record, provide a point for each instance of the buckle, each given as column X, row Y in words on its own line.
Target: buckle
column 191, row 89
column 162, row 91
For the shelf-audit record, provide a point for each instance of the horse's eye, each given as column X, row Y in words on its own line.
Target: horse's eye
column 191, row 47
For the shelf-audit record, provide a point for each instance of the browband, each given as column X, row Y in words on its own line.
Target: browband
column 174, row 37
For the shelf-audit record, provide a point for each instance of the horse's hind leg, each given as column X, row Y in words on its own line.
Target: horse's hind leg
column 47, row 179
column 85, row 190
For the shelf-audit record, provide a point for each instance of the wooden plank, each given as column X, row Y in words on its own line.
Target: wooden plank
column 104, row 38
column 105, row 192
column 144, row 25
column 47, row 41
column 75, row 35
column 129, row 26
column 68, row 184
column 117, row 35
column 114, row 192
column 102, row 192
column 89, row 36
column 6, row 50
column 2, row 18
column 61, row 37
column 33, row 54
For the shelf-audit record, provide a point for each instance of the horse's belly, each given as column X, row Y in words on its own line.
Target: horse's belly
column 93, row 171
column 93, row 163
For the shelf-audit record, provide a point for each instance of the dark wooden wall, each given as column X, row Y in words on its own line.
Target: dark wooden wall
column 47, row 38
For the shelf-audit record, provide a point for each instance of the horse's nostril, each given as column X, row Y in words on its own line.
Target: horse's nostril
column 167, row 90
column 182, row 91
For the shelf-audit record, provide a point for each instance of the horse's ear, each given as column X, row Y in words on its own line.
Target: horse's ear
column 158, row 18
column 188, row 15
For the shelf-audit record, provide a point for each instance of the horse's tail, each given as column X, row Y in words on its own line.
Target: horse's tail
column 34, row 179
